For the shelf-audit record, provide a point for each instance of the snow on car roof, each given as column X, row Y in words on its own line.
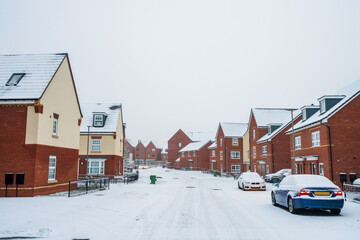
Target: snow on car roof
column 309, row 180
column 112, row 111
column 39, row 70
column 264, row 116
column 233, row 129
column 349, row 92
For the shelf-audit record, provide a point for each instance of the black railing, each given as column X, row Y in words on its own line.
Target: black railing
column 85, row 186
column 351, row 192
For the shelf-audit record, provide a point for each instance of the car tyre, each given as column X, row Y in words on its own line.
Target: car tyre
column 335, row 211
column 243, row 188
column 239, row 185
column 291, row 206
column 273, row 200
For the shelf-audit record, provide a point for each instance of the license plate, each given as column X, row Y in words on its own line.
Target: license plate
column 322, row 193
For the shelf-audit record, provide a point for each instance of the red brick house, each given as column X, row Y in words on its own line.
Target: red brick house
column 181, row 139
column 264, row 122
column 327, row 138
column 140, row 153
column 129, row 151
column 102, row 139
column 153, row 153
column 164, row 156
column 213, row 156
column 40, row 125
column 274, row 147
column 229, row 146
column 195, row 156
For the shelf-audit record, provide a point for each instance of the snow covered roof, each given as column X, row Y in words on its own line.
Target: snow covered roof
column 157, row 146
column 200, row 136
column 39, row 69
column 112, row 111
column 213, row 145
column 130, row 142
column 264, row 116
column 348, row 93
column 194, row 146
column 233, row 129
column 284, row 124
column 164, row 151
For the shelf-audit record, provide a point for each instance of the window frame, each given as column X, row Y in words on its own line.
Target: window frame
column 221, row 155
column 235, row 141
column 315, row 139
column 21, row 75
column 253, row 134
column 297, row 142
column 235, row 168
column 264, row 150
column 55, row 126
column 322, row 106
column 97, row 122
column 235, row 154
column 100, row 167
column 52, row 168
column 254, row 152
column 321, row 169
column 213, row 153
column 97, row 144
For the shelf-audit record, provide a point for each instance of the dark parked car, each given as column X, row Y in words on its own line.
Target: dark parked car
column 278, row 176
column 308, row 191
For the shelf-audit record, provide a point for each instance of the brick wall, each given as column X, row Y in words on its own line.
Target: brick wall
column 173, row 146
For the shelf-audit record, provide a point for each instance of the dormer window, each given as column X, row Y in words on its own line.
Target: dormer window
column 322, row 106
column 272, row 127
column 15, row 79
column 99, row 119
column 329, row 101
column 303, row 114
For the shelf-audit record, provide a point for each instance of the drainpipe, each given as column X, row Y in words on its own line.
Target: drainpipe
column 330, row 150
column 272, row 157
column 226, row 167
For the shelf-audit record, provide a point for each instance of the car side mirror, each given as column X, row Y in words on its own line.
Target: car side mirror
column 276, row 185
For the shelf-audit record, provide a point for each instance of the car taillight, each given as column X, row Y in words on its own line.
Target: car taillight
column 338, row 193
column 304, row 192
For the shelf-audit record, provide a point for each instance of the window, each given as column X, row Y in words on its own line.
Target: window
column 153, row 149
column 321, row 169
column 296, row 168
column 303, row 114
column 137, row 149
column 188, row 153
column 220, row 141
column 221, row 155
column 235, row 155
column 322, row 106
column 264, row 150
column 254, row 134
column 315, row 139
column 52, row 168
column 254, row 168
column 267, row 169
column 96, row 166
column 55, row 127
column 194, row 153
column 15, row 79
column 235, row 141
column 149, row 150
column 213, row 153
column 254, row 152
column 300, row 168
column 179, row 144
column 152, row 155
column 98, row 120
column 96, row 145
column 182, row 154
column 235, row 168
column 298, row 142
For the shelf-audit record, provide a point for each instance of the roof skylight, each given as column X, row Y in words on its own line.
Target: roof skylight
column 15, row 79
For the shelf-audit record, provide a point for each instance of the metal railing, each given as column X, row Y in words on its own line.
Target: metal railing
column 85, row 186
column 351, row 192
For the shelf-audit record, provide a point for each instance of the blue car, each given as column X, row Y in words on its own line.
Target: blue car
column 308, row 191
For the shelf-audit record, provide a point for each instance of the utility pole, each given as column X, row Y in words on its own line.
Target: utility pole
column 87, row 151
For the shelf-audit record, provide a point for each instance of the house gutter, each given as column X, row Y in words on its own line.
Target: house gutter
column 330, row 150
column 272, row 157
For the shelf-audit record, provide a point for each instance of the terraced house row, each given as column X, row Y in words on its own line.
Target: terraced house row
column 47, row 136
column 326, row 141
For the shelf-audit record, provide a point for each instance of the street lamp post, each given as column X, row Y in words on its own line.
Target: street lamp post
column 292, row 130
column 87, row 151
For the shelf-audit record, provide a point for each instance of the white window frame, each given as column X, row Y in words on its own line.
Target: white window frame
column 254, row 134
column 153, row 149
column 182, row 154
column 100, row 168
column 303, row 113
column 254, row 152
column 297, row 142
column 235, row 141
column 315, row 139
column 221, row 155
column 235, row 169
column 55, row 127
column 179, row 144
column 194, row 153
column 254, row 168
column 264, row 150
column 96, row 147
column 235, row 154
column 52, row 168
column 322, row 106
column 220, row 141
column 98, row 120
column 213, row 153
column 313, row 168
column 321, row 169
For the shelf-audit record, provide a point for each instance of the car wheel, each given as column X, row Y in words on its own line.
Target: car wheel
column 239, row 185
column 273, row 200
column 243, row 188
column 291, row 206
column 335, row 211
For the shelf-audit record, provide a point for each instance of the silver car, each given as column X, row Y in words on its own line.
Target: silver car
column 251, row 181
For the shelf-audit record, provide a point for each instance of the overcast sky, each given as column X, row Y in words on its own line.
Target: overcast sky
column 190, row 64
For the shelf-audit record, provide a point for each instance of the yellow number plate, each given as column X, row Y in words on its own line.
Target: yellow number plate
column 322, row 193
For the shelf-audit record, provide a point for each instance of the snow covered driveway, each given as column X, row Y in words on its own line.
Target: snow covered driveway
column 181, row 205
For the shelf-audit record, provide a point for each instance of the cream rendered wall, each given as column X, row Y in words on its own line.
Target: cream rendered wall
column 119, row 146
column 60, row 98
column 246, row 148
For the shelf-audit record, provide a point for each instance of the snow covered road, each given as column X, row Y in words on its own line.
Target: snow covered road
column 181, row 205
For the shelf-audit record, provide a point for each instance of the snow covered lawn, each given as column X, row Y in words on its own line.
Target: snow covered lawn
column 181, row 205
